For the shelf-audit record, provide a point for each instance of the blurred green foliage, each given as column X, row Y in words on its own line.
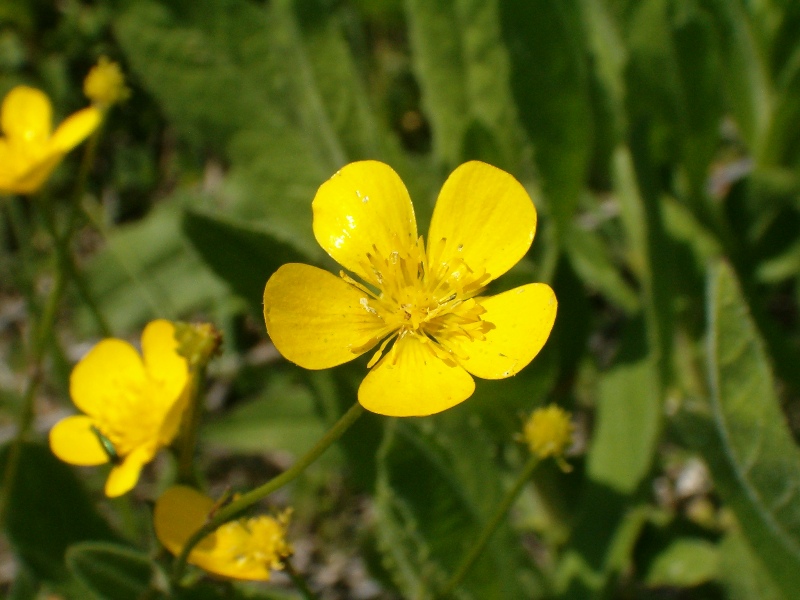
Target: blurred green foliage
column 660, row 141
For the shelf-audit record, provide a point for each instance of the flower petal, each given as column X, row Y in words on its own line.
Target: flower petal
column 484, row 217
column 26, row 114
column 75, row 129
column 162, row 361
column 27, row 177
column 363, row 204
column 523, row 318
column 73, row 441
column 179, row 512
column 412, row 381
column 316, row 319
column 123, row 477
column 113, row 367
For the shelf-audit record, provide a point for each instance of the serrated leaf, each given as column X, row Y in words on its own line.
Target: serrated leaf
column 753, row 458
column 684, row 563
column 462, row 68
column 243, row 255
column 111, row 571
column 47, row 512
column 434, row 491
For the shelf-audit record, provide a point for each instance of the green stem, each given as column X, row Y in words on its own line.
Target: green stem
column 236, row 507
column 490, row 527
column 188, row 439
column 299, row 582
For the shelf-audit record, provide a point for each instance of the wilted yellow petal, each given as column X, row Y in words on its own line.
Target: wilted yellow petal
column 316, row 319
column 111, row 369
column 162, row 362
column 522, row 319
column 75, row 129
column 73, row 441
column 26, row 115
column 483, row 217
column 123, row 477
column 411, row 380
column 363, row 204
column 179, row 512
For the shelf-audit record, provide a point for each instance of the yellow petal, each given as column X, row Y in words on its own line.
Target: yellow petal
column 73, row 441
column 523, row 318
column 26, row 115
column 410, row 380
column 179, row 512
column 30, row 176
column 162, row 361
column 75, row 129
column 484, row 217
column 123, row 477
column 363, row 204
column 111, row 369
column 316, row 319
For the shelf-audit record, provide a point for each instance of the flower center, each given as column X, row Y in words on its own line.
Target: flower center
column 415, row 297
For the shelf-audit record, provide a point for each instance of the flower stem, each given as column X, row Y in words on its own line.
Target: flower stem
column 188, row 439
column 491, row 527
column 236, row 507
column 299, row 582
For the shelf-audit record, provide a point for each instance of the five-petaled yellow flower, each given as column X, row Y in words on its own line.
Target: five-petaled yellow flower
column 133, row 405
column 242, row 549
column 426, row 299
column 29, row 149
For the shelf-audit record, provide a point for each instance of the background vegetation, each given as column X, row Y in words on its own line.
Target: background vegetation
column 660, row 142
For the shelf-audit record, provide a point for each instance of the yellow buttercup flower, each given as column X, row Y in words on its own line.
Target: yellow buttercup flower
column 549, row 431
column 426, row 299
column 133, row 405
column 243, row 549
column 105, row 84
column 29, row 149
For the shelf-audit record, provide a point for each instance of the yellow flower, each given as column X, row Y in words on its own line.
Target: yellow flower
column 425, row 299
column 549, row 431
column 242, row 549
column 29, row 151
column 133, row 405
column 105, row 84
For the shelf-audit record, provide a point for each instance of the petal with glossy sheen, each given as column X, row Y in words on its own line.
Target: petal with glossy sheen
column 110, row 368
column 484, row 217
column 411, row 381
column 26, row 114
column 123, row 477
column 523, row 318
column 364, row 203
column 179, row 512
column 75, row 129
column 162, row 361
column 316, row 319
column 73, row 441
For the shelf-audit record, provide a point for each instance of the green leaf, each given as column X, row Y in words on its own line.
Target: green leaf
column 436, row 486
column 754, row 461
column 685, row 562
column 110, row 571
column 741, row 573
column 462, row 68
column 47, row 512
column 243, row 255
column 550, row 84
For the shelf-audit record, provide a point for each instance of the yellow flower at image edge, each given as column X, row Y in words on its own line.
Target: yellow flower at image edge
column 243, row 549
column 29, row 149
column 132, row 403
column 426, row 300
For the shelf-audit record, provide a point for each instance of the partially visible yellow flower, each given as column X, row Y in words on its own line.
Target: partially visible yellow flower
column 105, row 84
column 426, row 299
column 244, row 549
column 29, row 149
column 133, row 405
column 549, row 431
